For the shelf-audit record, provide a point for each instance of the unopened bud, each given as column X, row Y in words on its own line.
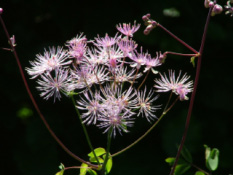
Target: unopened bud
column 216, row 10
column 1, row 11
column 146, row 32
column 206, row 3
column 153, row 23
column 145, row 18
column 148, row 15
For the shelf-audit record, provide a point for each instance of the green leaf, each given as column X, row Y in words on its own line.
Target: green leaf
column 212, row 161
column 199, row 173
column 83, row 169
column 91, row 172
column 186, row 155
column 212, row 158
column 61, row 166
column 171, row 12
column 60, row 172
column 93, row 160
column 98, row 152
column 109, row 163
column 182, row 168
column 207, row 152
column 24, row 113
column 170, row 160
column 192, row 60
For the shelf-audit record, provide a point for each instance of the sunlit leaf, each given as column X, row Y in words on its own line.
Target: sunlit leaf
column 192, row 60
column 199, row 173
column 98, row 152
column 212, row 158
column 83, row 169
column 62, row 167
column 60, row 172
column 207, row 151
column 93, row 160
column 109, row 163
column 170, row 160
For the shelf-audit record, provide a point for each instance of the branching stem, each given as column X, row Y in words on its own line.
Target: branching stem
column 35, row 104
column 193, row 93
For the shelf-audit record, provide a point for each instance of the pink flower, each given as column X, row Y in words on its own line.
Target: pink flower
column 127, row 29
column 51, row 60
column 180, row 85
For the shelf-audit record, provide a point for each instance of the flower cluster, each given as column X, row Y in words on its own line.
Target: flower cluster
column 98, row 71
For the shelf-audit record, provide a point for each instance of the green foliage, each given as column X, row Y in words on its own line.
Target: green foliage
column 192, row 60
column 171, row 12
column 109, row 163
column 24, row 113
column 211, row 157
column 62, row 168
column 83, row 169
column 186, row 155
column 101, row 154
column 60, row 172
column 98, row 152
column 199, row 173
column 181, row 167
column 185, row 161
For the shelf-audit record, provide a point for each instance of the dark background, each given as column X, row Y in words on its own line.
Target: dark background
column 26, row 147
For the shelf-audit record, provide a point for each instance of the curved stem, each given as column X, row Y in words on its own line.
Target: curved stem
column 85, row 130
column 143, row 80
column 134, row 78
column 180, row 54
column 178, row 39
column 35, row 104
column 195, row 166
column 148, row 131
column 193, row 93
column 108, row 150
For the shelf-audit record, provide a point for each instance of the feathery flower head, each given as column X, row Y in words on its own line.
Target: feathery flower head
column 127, row 46
column 180, row 85
column 51, row 60
column 52, row 86
column 229, row 8
column 77, row 47
column 127, row 29
column 91, row 103
column 107, row 41
column 139, row 59
column 116, row 120
column 145, row 104
column 122, row 75
column 151, row 63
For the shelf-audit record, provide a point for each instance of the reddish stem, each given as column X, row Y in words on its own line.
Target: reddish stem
column 180, row 54
column 193, row 93
column 178, row 39
column 35, row 104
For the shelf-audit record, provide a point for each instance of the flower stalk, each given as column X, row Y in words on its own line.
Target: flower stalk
column 193, row 93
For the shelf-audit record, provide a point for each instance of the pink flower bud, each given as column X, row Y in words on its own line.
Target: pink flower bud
column 1, row 11
column 148, row 15
column 146, row 31
column 217, row 10
column 145, row 18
